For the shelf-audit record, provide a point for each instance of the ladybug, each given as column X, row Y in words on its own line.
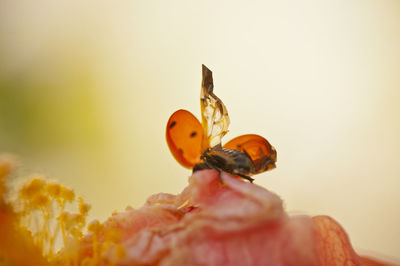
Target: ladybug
column 198, row 146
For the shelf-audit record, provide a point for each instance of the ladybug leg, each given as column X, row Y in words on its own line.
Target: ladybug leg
column 246, row 177
column 200, row 166
column 210, row 166
column 219, row 176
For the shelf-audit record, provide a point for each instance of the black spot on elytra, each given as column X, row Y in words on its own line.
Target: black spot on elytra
column 172, row 124
column 180, row 150
column 193, row 134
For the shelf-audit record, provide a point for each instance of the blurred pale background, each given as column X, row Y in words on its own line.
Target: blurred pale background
column 87, row 88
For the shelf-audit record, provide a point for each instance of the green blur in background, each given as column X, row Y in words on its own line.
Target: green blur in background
column 86, row 90
column 40, row 114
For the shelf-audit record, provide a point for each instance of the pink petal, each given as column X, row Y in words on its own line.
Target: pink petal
column 229, row 223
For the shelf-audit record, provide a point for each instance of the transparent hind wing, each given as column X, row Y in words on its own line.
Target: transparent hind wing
column 215, row 119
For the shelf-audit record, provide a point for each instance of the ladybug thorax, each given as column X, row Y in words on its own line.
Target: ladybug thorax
column 231, row 161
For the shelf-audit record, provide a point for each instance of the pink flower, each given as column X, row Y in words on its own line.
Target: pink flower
column 214, row 223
